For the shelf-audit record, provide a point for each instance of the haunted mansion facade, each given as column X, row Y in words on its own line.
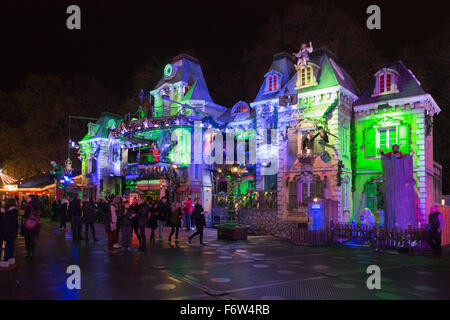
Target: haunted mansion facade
column 308, row 121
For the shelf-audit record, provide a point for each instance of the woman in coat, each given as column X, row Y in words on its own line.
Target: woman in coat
column 29, row 229
column 9, row 228
column 111, row 221
column 175, row 220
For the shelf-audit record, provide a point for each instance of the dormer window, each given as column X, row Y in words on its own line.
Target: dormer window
column 386, row 82
column 273, row 82
column 306, row 76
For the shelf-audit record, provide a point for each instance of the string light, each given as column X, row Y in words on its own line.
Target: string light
column 5, row 178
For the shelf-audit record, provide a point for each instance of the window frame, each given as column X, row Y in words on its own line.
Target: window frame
column 386, row 82
column 272, row 78
column 386, row 128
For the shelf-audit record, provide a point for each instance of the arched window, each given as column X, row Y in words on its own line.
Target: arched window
column 386, row 82
column 273, row 83
column 306, row 77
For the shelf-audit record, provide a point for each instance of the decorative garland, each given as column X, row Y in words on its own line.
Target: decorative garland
column 353, row 150
column 330, row 110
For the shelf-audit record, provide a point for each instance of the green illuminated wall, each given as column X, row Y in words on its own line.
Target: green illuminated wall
column 368, row 160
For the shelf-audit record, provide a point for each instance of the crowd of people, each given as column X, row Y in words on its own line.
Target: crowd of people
column 122, row 216
column 125, row 216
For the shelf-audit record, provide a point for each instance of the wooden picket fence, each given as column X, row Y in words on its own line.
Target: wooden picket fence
column 302, row 237
column 377, row 237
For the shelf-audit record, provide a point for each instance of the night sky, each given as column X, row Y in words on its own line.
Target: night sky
column 118, row 36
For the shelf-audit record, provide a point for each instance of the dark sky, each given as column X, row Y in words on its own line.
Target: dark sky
column 118, row 36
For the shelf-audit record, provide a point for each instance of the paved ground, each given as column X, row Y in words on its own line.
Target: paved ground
column 260, row 268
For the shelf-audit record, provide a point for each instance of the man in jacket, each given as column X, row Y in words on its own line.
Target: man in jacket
column 126, row 225
column 163, row 210
column 199, row 217
column 142, row 219
column 89, row 217
column 187, row 210
column 435, row 227
column 75, row 213
column 9, row 227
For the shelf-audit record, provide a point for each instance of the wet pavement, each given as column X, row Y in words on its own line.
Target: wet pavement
column 263, row 267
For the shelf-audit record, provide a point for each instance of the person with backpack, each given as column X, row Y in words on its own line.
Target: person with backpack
column 175, row 221
column 89, row 217
column 199, row 218
column 9, row 228
column 152, row 220
column 30, row 224
column 75, row 213
column 434, row 233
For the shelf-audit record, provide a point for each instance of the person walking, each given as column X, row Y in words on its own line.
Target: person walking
column 89, row 217
column 110, row 220
column 126, row 225
column 119, row 206
column 75, row 213
column 62, row 213
column 163, row 211
column 175, row 220
column 142, row 220
column 152, row 220
column 187, row 210
column 55, row 209
column 9, row 228
column 198, row 214
column 434, row 233
column 30, row 224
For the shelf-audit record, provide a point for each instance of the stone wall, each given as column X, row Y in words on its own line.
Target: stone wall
column 266, row 222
